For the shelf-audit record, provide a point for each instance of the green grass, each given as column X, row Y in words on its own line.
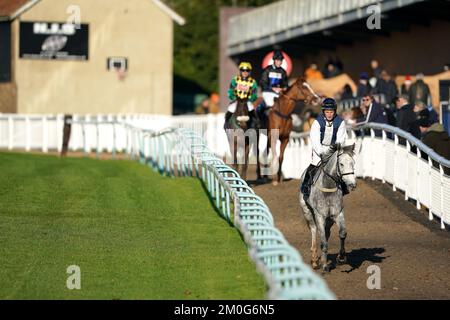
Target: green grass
column 133, row 233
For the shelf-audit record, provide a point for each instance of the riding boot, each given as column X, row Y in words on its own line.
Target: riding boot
column 255, row 119
column 227, row 118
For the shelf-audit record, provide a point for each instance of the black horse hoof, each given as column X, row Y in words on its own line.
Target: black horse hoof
column 326, row 268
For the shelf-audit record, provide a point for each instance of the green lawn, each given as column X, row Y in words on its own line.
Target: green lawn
column 133, row 233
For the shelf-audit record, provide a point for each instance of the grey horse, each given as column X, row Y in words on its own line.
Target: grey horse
column 325, row 205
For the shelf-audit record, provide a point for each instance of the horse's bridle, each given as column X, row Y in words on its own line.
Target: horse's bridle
column 339, row 174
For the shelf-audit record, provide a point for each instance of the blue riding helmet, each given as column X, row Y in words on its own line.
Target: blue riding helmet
column 329, row 104
column 277, row 55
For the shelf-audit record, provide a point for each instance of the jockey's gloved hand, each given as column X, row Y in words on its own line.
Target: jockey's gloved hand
column 335, row 147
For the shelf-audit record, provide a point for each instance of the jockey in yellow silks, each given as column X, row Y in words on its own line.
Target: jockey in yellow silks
column 243, row 87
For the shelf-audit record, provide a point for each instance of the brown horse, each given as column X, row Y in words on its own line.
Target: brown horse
column 238, row 124
column 279, row 119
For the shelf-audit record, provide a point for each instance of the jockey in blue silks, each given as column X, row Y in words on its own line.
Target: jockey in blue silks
column 327, row 130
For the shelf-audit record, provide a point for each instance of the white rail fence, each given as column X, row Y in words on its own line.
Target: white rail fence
column 45, row 132
column 379, row 157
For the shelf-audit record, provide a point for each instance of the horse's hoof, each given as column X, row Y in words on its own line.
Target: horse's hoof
column 326, row 268
column 315, row 265
column 341, row 260
column 274, row 183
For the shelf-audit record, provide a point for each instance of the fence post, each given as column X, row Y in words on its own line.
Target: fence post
column 419, row 155
column 372, row 158
column 27, row 134
column 408, row 149
column 10, row 132
column 430, row 188
column 59, row 124
column 441, row 172
column 384, row 137
column 44, row 134
column 395, row 160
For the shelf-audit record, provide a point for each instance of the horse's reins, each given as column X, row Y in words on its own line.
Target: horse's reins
column 340, row 175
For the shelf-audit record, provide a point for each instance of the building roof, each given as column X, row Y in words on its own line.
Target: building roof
column 171, row 13
column 287, row 19
column 11, row 9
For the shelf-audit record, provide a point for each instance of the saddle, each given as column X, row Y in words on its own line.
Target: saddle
column 308, row 181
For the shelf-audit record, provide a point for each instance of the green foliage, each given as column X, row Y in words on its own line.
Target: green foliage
column 196, row 53
column 133, row 233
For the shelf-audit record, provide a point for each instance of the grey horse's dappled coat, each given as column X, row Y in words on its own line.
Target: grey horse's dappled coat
column 325, row 205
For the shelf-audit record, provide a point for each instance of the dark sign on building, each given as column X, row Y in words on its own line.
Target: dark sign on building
column 53, row 40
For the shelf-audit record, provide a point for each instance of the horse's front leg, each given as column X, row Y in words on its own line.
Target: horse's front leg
column 235, row 158
column 320, row 223
column 284, row 143
column 342, row 257
column 258, row 164
column 308, row 215
column 246, row 154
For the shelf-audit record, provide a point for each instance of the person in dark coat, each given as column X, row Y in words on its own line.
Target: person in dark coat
column 376, row 69
column 372, row 112
column 420, row 91
column 363, row 85
column 406, row 86
column 406, row 118
column 434, row 136
column 387, row 86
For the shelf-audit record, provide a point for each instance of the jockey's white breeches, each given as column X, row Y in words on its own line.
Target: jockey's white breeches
column 269, row 98
column 233, row 105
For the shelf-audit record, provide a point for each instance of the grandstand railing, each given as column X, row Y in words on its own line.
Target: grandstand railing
column 183, row 152
column 391, row 155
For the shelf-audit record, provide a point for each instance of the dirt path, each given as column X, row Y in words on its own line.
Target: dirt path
column 383, row 229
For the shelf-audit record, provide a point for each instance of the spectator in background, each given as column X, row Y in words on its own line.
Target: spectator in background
column 376, row 69
column 420, row 91
column 372, row 111
column 434, row 136
column 214, row 103
column 331, row 71
column 363, row 85
column 406, row 86
column 312, row 73
column 406, row 118
column 203, row 107
column 447, row 67
column 339, row 65
column 387, row 86
column 346, row 92
column 432, row 114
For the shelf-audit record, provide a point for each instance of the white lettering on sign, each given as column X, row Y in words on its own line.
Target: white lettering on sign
column 67, row 29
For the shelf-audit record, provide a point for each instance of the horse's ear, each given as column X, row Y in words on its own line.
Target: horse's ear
column 302, row 79
column 349, row 148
